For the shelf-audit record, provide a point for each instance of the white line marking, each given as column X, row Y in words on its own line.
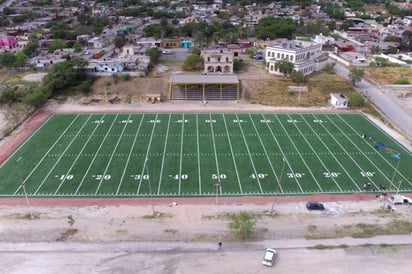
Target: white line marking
column 112, row 154
column 280, row 148
column 77, row 157
column 95, row 155
column 215, row 152
column 377, row 168
column 45, row 155
column 181, row 152
column 324, row 144
column 31, row 136
column 266, row 153
column 61, row 156
column 198, row 153
column 233, row 154
column 303, row 159
column 130, row 154
column 250, row 156
column 164, row 154
column 147, row 154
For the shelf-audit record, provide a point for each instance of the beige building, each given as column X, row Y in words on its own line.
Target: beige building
column 218, row 61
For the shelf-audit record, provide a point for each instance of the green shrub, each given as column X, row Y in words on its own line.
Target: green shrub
column 355, row 100
column 401, row 81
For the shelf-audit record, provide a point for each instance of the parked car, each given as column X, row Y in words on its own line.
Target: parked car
column 400, row 200
column 314, row 206
column 258, row 55
column 270, row 257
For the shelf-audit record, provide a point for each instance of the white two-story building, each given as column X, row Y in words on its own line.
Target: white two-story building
column 306, row 57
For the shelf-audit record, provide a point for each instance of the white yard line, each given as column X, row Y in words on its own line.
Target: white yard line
column 233, row 155
column 113, row 153
column 95, row 154
column 314, row 153
column 377, row 168
column 31, row 136
column 290, row 139
column 283, row 155
column 250, row 155
column 198, row 153
column 77, row 157
column 331, row 153
column 303, row 159
column 181, row 152
column 61, row 156
column 266, row 152
column 147, row 154
column 130, row 154
column 48, row 151
column 164, row 154
column 215, row 152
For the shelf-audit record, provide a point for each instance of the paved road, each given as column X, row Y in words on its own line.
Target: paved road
column 393, row 113
column 378, row 255
column 162, row 246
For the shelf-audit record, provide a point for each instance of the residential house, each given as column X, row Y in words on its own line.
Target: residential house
column 171, row 43
column 306, row 57
column 8, row 42
column 149, row 41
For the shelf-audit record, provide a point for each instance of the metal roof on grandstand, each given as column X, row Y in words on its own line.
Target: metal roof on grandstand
column 203, row 79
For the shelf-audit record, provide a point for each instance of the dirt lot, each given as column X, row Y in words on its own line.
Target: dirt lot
column 124, row 238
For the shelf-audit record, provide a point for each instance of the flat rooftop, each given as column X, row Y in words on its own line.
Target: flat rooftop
column 203, row 79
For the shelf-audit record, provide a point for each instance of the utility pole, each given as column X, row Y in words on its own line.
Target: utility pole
column 217, row 186
column 278, row 186
column 146, row 166
column 23, row 185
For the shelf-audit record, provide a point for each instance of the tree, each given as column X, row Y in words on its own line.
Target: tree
column 285, row 67
column 7, row 59
column 271, row 28
column 239, row 65
column 20, row 59
column 36, row 97
column 356, row 75
column 119, row 42
column 66, row 75
column 30, row 48
column 193, row 62
column 56, row 44
column 375, row 49
column 297, row 77
column 330, row 68
column 154, row 54
column 242, row 225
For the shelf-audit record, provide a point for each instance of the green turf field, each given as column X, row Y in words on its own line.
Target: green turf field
column 189, row 154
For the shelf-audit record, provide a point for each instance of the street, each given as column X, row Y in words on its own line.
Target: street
column 394, row 114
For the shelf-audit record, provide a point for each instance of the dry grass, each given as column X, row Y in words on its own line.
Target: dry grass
column 275, row 91
column 388, row 75
column 362, row 230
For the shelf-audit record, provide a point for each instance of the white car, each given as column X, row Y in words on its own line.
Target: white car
column 400, row 200
column 270, row 257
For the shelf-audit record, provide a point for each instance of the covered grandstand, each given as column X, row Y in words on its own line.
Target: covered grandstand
column 204, row 87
